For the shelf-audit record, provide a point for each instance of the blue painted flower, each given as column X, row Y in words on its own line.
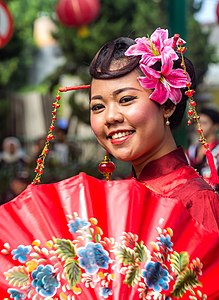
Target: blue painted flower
column 156, row 277
column 105, row 292
column 77, row 224
column 92, row 257
column 15, row 294
column 45, row 281
column 21, row 253
column 166, row 241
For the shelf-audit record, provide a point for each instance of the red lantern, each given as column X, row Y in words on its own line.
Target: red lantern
column 76, row 13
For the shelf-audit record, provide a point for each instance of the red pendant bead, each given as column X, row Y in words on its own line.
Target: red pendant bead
column 180, row 41
column 106, row 167
column 193, row 103
column 189, row 93
column 190, row 112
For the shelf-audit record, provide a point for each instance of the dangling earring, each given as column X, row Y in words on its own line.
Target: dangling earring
column 167, row 121
column 106, row 167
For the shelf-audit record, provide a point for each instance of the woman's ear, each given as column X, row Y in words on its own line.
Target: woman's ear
column 168, row 109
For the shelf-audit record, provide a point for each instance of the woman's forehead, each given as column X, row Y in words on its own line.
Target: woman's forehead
column 113, row 88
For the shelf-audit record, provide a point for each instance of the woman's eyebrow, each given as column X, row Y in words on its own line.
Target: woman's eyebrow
column 115, row 93
column 97, row 97
column 124, row 90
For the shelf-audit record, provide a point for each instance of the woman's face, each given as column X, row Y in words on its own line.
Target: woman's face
column 125, row 121
column 209, row 128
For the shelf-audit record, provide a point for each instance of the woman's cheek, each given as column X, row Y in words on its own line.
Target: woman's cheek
column 96, row 125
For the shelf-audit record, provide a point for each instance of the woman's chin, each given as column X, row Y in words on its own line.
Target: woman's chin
column 122, row 157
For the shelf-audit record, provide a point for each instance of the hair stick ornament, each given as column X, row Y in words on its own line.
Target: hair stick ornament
column 73, row 88
column 193, row 116
column 50, row 136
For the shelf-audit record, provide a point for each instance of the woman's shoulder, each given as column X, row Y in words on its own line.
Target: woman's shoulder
column 202, row 201
column 205, row 208
column 196, row 186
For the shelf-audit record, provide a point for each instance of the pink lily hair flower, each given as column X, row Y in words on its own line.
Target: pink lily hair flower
column 167, row 82
column 151, row 49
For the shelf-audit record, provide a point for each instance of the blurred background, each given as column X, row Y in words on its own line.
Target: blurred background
column 48, row 44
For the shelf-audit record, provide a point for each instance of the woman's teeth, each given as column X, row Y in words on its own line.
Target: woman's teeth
column 120, row 134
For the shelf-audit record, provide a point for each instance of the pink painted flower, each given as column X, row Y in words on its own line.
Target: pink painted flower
column 153, row 49
column 166, row 83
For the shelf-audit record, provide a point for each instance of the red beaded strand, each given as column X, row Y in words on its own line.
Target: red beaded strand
column 50, row 136
column 193, row 116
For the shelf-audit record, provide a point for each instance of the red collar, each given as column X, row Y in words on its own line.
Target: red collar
column 163, row 165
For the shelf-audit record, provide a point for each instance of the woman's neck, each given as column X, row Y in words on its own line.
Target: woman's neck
column 139, row 164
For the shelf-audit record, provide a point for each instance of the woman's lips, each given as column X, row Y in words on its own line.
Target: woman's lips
column 120, row 136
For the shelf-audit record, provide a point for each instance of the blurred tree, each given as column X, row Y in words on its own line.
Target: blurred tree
column 17, row 55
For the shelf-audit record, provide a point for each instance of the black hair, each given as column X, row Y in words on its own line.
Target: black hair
column 112, row 52
column 213, row 114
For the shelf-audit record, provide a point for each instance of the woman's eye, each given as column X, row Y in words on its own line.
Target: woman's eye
column 97, row 107
column 127, row 99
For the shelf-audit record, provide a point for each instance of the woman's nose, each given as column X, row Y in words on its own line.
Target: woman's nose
column 113, row 115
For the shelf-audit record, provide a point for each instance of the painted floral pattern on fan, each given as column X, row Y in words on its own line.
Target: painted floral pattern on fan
column 63, row 268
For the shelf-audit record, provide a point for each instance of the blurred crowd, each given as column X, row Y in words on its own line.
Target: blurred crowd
column 17, row 164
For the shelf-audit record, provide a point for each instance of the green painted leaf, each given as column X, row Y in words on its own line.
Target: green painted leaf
column 179, row 261
column 17, row 276
column 133, row 275
column 73, row 272
column 97, row 238
column 141, row 252
column 125, row 255
column 185, row 281
column 65, row 249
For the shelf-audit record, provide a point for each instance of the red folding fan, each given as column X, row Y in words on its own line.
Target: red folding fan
column 84, row 238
